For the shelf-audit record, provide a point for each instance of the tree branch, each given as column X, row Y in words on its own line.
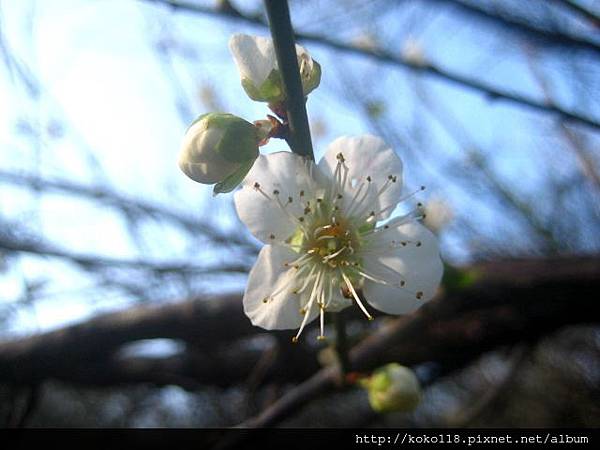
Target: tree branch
column 287, row 61
column 532, row 33
column 491, row 92
column 511, row 302
column 127, row 204
column 35, row 247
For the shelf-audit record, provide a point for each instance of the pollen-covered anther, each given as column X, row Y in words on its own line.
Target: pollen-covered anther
column 256, row 186
column 419, row 295
column 340, row 157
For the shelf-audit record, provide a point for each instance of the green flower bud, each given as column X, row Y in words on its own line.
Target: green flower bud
column 219, row 148
column 393, row 388
column 257, row 64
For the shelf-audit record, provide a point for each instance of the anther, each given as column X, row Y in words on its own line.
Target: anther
column 256, row 186
column 319, row 200
column 369, row 178
column 265, row 300
column 419, row 295
column 307, row 210
column 385, row 227
column 419, row 243
column 402, row 283
column 275, row 192
column 301, row 193
column 272, row 236
column 301, row 219
column 340, row 157
column 294, row 340
column 290, row 199
column 340, row 196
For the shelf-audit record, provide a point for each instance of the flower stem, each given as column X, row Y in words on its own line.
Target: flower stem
column 341, row 346
column 285, row 49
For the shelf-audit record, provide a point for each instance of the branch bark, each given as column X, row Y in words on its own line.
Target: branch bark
column 511, row 301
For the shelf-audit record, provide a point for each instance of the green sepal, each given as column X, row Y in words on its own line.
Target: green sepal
column 239, row 142
column 270, row 91
column 312, row 82
column 233, row 180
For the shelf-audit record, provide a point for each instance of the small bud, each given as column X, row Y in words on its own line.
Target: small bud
column 438, row 214
column 393, row 388
column 256, row 61
column 219, row 148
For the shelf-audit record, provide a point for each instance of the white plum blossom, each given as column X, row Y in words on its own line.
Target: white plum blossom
column 255, row 59
column 326, row 242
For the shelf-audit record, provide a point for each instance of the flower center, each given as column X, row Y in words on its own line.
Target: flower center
column 334, row 242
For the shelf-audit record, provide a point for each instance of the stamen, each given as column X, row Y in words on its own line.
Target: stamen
column 333, row 255
column 380, row 280
column 355, row 295
column 412, row 194
column 321, row 336
column 306, row 281
column 310, row 303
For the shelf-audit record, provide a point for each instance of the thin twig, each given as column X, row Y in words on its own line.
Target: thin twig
column 287, row 60
column 491, row 92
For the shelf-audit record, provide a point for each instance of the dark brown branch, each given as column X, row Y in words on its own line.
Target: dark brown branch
column 491, row 92
column 513, row 301
column 48, row 355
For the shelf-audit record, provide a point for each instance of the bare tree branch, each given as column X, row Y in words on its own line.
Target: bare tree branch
column 532, row 33
column 122, row 202
column 512, row 301
column 36, row 247
column 491, row 92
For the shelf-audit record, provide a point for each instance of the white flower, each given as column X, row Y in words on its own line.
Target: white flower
column 323, row 240
column 219, row 148
column 256, row 61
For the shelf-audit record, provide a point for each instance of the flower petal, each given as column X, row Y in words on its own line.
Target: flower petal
column 254, row 56
column 280, row 177
column 366, row 156
column 418, row 264
column 269, row 277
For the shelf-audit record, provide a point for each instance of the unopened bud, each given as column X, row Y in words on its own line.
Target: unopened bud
column 393, row 388
column 219, row 148
column 257, row 64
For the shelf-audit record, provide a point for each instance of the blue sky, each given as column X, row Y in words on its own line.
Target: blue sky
column 104, row 81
